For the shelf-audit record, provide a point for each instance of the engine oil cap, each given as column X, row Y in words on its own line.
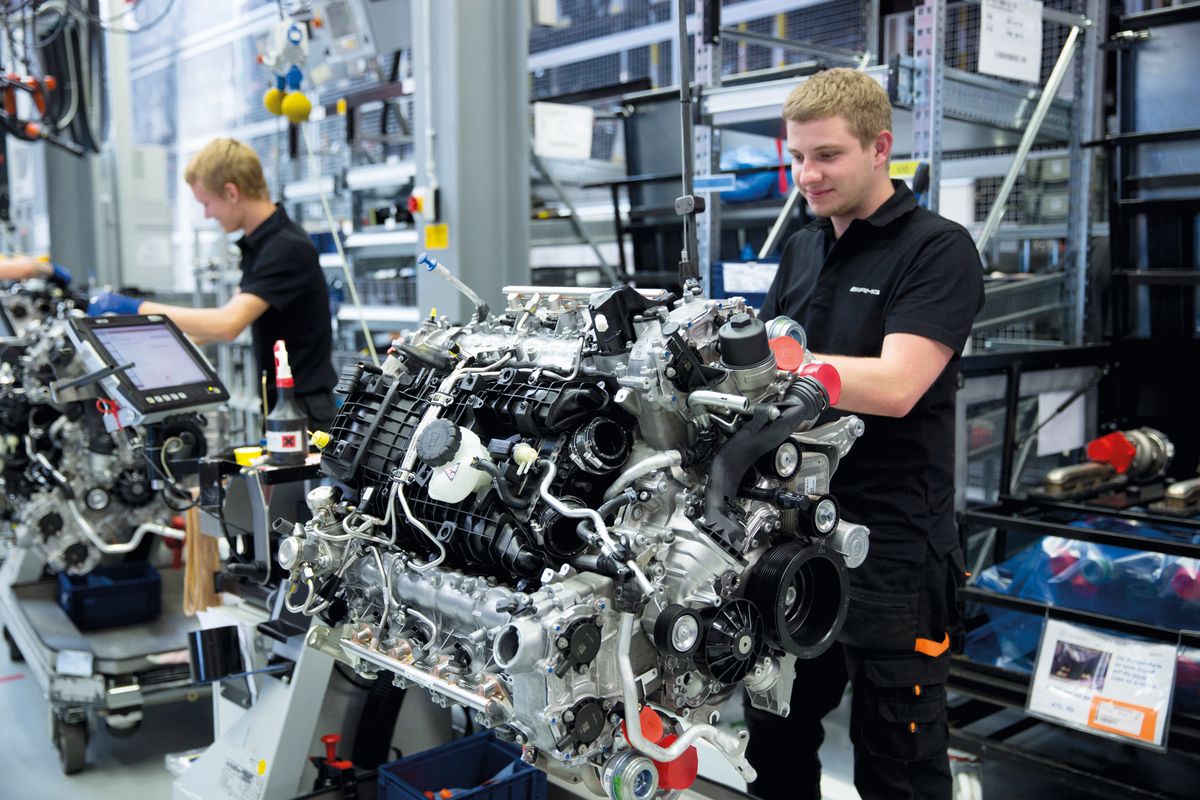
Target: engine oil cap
column 439, row 442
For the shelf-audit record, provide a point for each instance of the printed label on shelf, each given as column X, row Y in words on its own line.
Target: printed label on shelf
column 716, row 182
column 903, row 170
column 1010, row 39
column 1107, row 685
column 240, row 781
column 750, row 276
column 562, row 130
column 1123, row 718
column 1060, row 431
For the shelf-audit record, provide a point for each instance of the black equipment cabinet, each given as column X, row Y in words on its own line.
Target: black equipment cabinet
column 1154, row 155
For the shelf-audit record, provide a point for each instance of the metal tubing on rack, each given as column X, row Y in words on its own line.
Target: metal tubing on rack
column 777, row 228
column 1031, row 132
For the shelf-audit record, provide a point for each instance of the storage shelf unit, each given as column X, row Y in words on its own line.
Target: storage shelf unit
column 991, row 687
column 980, row 113
column 1125, row 386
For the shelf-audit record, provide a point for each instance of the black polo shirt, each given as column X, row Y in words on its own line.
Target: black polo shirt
column 904, row 269
column 280, row 264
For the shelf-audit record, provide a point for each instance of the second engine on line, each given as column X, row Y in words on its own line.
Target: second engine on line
column 589, row 518
column 74, row 492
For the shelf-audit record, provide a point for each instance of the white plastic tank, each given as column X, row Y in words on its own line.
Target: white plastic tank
column 455, row 480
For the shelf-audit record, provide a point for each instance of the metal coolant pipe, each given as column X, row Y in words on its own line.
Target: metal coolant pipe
column 125, row 547
column 596, row 520
column 665, row 460
column 732, row 747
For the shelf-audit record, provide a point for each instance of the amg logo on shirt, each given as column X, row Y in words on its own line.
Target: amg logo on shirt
column 863, row 290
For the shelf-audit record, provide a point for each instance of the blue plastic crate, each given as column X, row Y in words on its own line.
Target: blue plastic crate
column 463, row 764
column 121, row 594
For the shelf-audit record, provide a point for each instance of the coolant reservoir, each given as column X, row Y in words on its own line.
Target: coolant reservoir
column 450, row 449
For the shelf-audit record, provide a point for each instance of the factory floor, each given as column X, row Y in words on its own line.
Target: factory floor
column 134, row 766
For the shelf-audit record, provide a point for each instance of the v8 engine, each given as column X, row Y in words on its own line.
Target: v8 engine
column 72, row 491
column 589, row 518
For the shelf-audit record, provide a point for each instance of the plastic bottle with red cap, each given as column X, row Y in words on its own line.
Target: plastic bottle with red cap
column 287, row 426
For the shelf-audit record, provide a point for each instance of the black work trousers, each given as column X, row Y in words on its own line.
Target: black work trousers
column 319, row 408
column 894, row 651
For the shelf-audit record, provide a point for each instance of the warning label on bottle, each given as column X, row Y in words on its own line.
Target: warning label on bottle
column 285, row 441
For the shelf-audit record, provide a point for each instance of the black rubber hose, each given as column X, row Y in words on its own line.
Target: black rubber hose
column 701, row 451
column 506, row 495
column 806, row 401
column 602, row 564
column 377, row 725
column 807, row 393
column 585, row 529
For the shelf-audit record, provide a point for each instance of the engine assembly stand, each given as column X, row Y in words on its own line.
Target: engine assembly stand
column 263, row 724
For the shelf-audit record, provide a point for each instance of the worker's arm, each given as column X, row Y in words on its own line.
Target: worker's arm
column 212, row 324
column 889, row 386
column 22, row 268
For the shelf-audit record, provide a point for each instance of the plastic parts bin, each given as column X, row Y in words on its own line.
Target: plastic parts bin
column 120, row 594
column 464, row 764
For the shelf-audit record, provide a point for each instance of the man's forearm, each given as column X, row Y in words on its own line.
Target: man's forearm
column 870, row 386
column 202, row 324
column 20, row 269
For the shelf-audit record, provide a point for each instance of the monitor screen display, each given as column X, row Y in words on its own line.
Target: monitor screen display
column 159, row 359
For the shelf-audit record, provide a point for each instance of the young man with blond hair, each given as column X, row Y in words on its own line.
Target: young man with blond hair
column 886, row 291
column 282, row 294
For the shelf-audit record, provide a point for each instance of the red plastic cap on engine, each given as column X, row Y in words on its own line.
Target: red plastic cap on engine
column 826, row 375
column 652, row 725
column 680, row 773
column 789, row 354
column 1114, row 449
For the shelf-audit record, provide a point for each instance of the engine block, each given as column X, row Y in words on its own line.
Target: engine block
column 590, row 518
column 72, row 492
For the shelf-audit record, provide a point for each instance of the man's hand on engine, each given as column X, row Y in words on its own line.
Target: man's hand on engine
column 112, row 303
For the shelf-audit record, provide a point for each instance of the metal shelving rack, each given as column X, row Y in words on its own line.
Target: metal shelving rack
column 1154, row 187
column 988, row 718
column 979, row 113
column 941, row 110
column 992, row 688
column 386, row 304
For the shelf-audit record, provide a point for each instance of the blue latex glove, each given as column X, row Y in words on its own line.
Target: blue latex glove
column 59, row 275
column 112, row 303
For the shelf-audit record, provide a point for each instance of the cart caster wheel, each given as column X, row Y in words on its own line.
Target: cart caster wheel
column 122, row 731
column 14, row 652
column 71, row 739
